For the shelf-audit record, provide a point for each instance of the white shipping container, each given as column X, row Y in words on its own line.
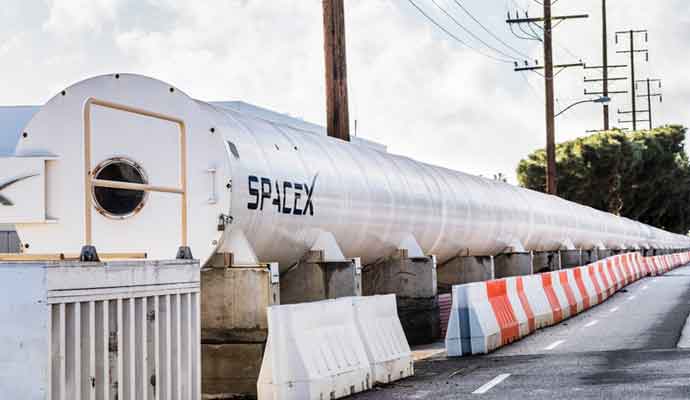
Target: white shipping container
column 115, row 330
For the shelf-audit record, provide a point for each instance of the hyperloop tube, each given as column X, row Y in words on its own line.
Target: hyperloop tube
column 280, row 187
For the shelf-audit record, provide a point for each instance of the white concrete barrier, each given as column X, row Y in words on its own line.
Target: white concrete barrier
column 313, row 351
column 563, row 293
column 539, row 301
column 333, row 348
column 388, row 352
column 473, row 327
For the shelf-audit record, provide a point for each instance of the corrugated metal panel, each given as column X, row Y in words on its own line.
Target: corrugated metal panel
column 117, row 330
column 445, row 302
column 121, row 347
column 9, row 242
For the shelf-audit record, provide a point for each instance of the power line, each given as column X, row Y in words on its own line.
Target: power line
column 469, row 32
column 549, row 75
column 540, row 37
column 633, row 88
column 487, row 30
column 457, row 39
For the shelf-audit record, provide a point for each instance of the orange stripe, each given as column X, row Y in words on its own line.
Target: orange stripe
column 614, row 278
column 604, row 277
column 572, row 301
column 628, row 270
column 593, row 276
column 551, row 296
column 498, row 297
column 525, row 304
column 577, row 273
column 619, row 268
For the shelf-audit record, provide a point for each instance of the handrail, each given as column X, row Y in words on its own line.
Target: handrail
column 90, row 182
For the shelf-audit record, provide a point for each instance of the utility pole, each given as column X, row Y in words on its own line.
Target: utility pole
column 550, row 109
column 547, row 28
column 605, row 71
column 337, row 115
column 649, row 95
column 605, row 58
column 632, row 51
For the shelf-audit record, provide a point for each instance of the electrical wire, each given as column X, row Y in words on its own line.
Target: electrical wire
column 457, row 39
column 487, row 30
column 555, row 41
column 469, row 32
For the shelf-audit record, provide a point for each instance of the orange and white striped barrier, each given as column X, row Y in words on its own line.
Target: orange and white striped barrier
column 487, row 315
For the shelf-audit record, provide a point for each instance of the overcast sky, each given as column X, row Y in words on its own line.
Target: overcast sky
column 411, row 86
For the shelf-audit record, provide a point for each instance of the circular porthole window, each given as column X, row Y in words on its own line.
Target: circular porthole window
column 119, row 203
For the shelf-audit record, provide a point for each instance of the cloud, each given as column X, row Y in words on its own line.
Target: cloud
column 79, row 16
column 411, row 87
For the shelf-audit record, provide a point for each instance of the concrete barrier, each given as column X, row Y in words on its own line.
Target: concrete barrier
column 564, row 294
column 554, row 297
column 595, row 283
column 473, row 327
column 539, row 302
column 582, row 294
column 388, row 352
column 487, row 315
column 521, row 307
column 333, row 348
column 313, row 351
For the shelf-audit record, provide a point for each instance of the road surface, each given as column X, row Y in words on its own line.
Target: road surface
column 624, row 348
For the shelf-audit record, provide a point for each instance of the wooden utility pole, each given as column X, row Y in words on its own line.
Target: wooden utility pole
column 550, row 109
column 337, row 115
column 605, row 58
column 547, row 27
column 633, row 90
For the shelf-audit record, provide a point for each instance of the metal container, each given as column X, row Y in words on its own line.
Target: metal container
column 119, row 330
column 265, row 187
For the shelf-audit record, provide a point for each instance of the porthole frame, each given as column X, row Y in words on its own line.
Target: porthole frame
column 119, row 160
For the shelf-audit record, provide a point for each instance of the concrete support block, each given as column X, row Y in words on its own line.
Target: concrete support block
column 230, row 370
column 570, row 258
column 513, row 264
column 461, row 270
column 545, row 261
column 234, row 326
column 604, row 253
column 589, row 256
column 315, row 278
column 414, row 282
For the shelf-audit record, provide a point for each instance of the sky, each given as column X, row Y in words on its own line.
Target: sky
column 412, row 87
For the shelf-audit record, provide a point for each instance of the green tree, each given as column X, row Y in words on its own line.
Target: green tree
column 642, row 175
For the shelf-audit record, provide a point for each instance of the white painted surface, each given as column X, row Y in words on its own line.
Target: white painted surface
column 489, row 385
column 554, row 345
column 684, row 341
column 368, row 199
column 99, row 331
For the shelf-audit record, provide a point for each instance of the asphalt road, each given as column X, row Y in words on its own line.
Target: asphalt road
column 624, row 348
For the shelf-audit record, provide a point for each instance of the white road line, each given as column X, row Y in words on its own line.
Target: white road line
column 488, row 385
column 554, row 345
column 592, row 323
column 631, row 298
column 645, row 287
column 614, row 309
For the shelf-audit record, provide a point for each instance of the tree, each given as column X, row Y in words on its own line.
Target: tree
column 642, row 175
